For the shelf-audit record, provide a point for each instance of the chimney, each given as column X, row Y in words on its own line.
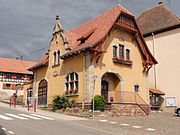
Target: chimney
column 160, row 3
column 57, row 17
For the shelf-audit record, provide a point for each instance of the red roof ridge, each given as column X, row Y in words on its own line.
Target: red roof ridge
column 15, row 66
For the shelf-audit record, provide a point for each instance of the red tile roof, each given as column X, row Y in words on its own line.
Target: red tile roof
column 98, row 27
column 156, row 91
column 42, row 62
column 101, row 24
column 15, row 66
column 157, row 19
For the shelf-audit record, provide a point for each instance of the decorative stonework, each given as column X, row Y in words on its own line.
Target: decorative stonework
column 120, row 109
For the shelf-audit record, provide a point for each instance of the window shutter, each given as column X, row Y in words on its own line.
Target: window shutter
column 13, row 86
column 4, row 86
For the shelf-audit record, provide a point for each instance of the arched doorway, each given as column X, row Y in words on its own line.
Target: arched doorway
column 42, row 92
column 110, row 87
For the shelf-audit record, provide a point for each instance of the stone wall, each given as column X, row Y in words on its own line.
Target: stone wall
column 123, row 109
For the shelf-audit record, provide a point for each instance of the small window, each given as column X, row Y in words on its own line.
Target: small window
column 58, row 56
column 57, row 42
column 83, row 41
column 127, row 54
column 54, row 58
column 8, row 86
column 136, row 88
column 121, row 51
column 114, row 51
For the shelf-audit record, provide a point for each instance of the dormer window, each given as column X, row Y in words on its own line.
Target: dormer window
column 86, row 37
column 83, row 41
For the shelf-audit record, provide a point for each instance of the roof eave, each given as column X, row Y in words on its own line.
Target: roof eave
column 161, row 30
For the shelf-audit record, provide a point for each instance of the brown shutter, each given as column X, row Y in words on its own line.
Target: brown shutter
column 13, row 86
column 4, row 86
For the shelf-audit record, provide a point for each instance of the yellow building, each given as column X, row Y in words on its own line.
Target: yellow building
column 104, row 56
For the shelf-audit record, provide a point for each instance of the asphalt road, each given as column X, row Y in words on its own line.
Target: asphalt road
column 162, row 123
column 16, row 122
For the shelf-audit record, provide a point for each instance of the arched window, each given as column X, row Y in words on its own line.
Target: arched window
column 42, row 92
column 58, row 53
column 54, row 58
column 71, row 83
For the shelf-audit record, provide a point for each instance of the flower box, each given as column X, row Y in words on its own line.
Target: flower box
column 75, row 91
column 71, row 91
column 122, row 61
column 66, row 92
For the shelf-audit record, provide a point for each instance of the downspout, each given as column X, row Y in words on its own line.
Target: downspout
column 84, row 79
column 155, row 75
column 34, row 85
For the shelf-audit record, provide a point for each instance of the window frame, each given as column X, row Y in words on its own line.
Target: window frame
column 136, row 88
column 72, row 83
column 121, row 51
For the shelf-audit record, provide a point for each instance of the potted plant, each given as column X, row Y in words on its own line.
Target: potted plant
column 71, row 91
column 66, row 92
column 75, row 91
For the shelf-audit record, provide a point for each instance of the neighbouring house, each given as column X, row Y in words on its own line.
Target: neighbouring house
column 12, row 74
column 161, row 30
column 105, row 56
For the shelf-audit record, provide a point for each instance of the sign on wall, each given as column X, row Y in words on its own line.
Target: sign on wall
column 170, row 101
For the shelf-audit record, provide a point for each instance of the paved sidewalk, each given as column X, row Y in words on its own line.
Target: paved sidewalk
column 45, row 113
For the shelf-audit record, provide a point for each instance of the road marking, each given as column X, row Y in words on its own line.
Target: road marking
column 28, row 116
column 3, row 129
column 136, row 127
column 44, row 117
column 112, row 122
column 124, row 124
column 103, row 120
column 150, row 129
column 10, row 132
column 5, row 118
column 16, row 116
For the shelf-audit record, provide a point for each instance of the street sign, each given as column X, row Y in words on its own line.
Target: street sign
column 95, row 76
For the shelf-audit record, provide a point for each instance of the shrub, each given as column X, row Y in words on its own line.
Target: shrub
column 72, row 103
column 99, row 103
column 60, row 102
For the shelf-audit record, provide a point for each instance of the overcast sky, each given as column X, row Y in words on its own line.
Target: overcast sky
column 26, row 25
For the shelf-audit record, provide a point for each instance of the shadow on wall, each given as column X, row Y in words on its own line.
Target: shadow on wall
column 2, row 132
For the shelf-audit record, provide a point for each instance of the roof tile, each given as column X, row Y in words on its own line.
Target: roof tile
column 15, row 66
column 156, row 19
